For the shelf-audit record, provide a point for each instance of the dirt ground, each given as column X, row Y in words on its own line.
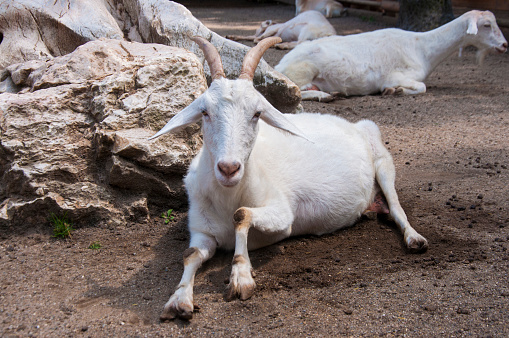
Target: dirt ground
column 450, row 148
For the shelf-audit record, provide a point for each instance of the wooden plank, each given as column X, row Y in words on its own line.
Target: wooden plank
column 500, row 5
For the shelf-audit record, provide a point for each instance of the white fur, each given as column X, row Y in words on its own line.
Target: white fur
column 295, row 175
column 388, row 60
column 329, row 8
column 309, row 25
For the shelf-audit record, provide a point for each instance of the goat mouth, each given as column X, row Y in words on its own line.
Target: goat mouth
column 228, row 182
column 501, row 50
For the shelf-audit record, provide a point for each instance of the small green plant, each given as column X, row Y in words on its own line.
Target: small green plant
column 95, row 245
column 62, row 226
column 370, row 19
column 167, row 216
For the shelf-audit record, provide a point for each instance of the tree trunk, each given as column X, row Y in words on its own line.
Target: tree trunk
column 424, row 15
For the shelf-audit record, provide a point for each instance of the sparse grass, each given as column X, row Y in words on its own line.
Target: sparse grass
column 369, row 19
column 167, row 216
column 95, row 245
column 62, row 226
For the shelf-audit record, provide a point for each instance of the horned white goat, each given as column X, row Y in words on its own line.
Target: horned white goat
column 309, row 25
column 388, row 60
column 259, row 178
column 329, row 8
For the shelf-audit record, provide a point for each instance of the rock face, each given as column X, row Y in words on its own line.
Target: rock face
column 74, row 137
column 54, row 28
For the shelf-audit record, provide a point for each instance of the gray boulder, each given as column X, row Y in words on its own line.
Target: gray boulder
column 74, row 136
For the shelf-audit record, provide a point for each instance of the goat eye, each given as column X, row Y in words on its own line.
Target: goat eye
column 204, row 113
column 257, row 114
column 487, row 25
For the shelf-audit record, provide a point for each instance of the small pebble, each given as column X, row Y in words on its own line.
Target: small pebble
column 430, row 308
column 463, row 311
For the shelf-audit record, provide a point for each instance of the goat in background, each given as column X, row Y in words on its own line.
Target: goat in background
column 390, row 61
column 329, row 8
column 306, row 26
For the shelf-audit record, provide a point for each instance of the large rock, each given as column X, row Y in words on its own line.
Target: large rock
column 54, row 28
column 74, row 136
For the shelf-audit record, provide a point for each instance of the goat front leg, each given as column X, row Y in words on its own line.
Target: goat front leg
column 241, row 37
column 286, row 45
column 201, row 248
column 275, row 221
column 241, row 284
column 311, row 92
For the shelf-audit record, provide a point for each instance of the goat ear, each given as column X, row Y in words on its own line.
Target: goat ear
column 472, row 25
column 189, row 115
column 267, row 23
column 276, row 119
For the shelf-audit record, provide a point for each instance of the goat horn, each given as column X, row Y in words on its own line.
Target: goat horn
column 253, row 57
column 212, row 57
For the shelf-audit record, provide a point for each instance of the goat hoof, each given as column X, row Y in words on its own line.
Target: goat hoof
column 242, row 292
column 388, row 91
column 369, row 214
column 172, row 311
column 326, row 99
column 417, row 244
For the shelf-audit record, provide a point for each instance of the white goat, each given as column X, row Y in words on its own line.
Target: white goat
column 309, row 25
column 329, row 8
column 252, row 178
column 388, row 60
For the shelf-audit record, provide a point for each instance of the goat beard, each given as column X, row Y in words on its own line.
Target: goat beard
column 480, row 55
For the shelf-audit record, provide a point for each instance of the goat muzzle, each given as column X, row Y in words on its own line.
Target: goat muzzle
column 228, row 169
column 502, row 49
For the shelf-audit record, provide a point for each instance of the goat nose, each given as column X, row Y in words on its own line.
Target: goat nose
column 504, row 45
column 228, row 169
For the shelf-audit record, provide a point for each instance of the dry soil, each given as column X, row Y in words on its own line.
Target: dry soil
column 450, row 147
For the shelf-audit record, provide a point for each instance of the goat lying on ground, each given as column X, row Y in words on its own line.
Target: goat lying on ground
column 388, row 60
column 329, row 8
column 309, row 25
column 262, row 176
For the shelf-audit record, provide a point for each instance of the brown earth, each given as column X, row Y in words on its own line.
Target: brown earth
column 450, row 148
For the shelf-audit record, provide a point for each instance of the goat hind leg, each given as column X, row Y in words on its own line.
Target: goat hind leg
column 386, row 176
